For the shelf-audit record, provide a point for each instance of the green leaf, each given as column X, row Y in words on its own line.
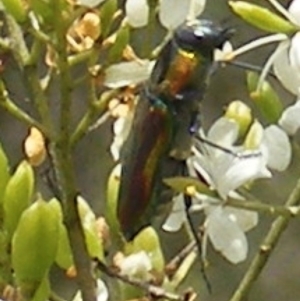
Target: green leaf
column 112, row 201
column 107, row 11
column 262, row 18
column 116, row 50
column 34, row 246
column 64, row 256
column 16, row 8
column 46, row 9
column 17, row 196
column 88, row 221
column 266, row 98
column 43, row 291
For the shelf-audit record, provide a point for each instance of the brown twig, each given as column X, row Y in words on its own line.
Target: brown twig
column 154, row 291
column 176, row 261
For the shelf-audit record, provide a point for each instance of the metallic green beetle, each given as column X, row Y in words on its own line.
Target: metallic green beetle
column 166, row 119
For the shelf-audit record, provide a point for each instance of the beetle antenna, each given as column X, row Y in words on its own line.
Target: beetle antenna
column 248, row 66
column 188, row 204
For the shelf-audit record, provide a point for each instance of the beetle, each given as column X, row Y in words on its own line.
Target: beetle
column 165, row 122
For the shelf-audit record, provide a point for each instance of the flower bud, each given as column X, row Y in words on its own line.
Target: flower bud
column 147, row 240
column 34, row 147
column 265, row 98
column 241, row 114
column 262, row 18
column 254, row 136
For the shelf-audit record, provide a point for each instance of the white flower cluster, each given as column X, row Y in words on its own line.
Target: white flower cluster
column 224, row 172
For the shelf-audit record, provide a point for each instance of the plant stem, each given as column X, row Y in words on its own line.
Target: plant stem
column 288, row 211
column 266, row 248
column 95, row 108
column 18, row 113
column 28, row 64
column 62, row 156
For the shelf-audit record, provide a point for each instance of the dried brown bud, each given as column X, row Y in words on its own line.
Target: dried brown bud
column 34, row 147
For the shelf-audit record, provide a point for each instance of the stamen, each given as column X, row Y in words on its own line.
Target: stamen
column 279, row 37
column 244, row 154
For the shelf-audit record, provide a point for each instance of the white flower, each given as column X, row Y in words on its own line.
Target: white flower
column 137, row 12
column 137, row 265
column 177, row 218
column 276, row 148
column 287, row 61
column 225, row 229
column 289, row 120
column 223, row 172
column 285, row 65
column 102, row 292
column 127, row 73
column 173, row 13
column 121, row 129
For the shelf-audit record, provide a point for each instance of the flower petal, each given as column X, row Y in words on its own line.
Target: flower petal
column 137, row 12
column 245, row 219
column 294, row 10
column 196, row 8
column 224, row 132
column 136, row 265
column 290, row 120
column 121, row 129
column 173, row 13
column 177, row 217
column 102, row 291
column 295, row 51
column 242, row 170
column 127, row 73
column 287, row 74
column 226, row 236
column 278, row 147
